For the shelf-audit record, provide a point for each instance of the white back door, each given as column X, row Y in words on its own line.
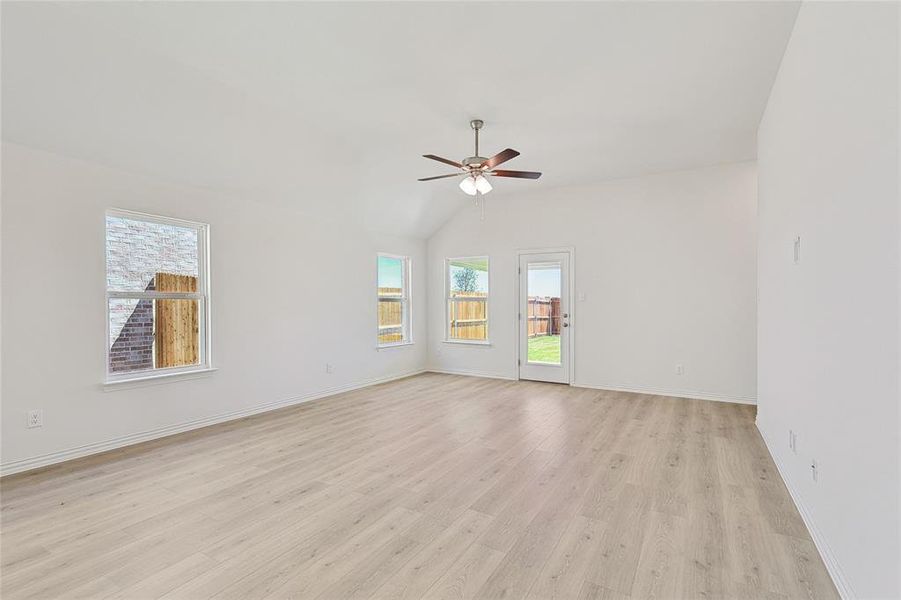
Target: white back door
column 544, row 324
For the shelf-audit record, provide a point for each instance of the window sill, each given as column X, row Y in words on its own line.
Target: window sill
column 468, row 343
column 156, row 379
column 392, row 346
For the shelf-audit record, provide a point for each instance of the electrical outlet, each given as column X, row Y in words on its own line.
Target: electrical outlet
column 35, row 418
column 814, row 469
column 329, row 368
column 680, row 370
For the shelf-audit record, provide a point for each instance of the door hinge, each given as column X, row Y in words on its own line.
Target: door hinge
column 519, row 270
column 518, row 362
column 519, row 316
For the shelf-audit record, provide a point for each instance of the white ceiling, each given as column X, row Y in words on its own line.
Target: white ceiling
column 331, row 105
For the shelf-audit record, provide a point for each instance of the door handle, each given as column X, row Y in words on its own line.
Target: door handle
column 566, row 324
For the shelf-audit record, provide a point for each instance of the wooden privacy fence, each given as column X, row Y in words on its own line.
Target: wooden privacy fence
column 543, row 315
column 391, row 315
column 176, row 322
column 468, row 319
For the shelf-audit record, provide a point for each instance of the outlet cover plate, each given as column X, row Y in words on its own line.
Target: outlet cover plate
column 35, row 418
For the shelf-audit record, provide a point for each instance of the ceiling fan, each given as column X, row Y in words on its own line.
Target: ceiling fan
column 475, row 168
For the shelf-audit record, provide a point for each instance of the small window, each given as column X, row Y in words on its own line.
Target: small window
column 394, row 300
column 156, row 295
column 467, row 299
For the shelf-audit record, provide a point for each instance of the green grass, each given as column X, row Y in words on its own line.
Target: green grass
column 544, row 348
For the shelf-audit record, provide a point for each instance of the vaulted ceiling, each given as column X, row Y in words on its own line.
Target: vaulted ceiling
column 332, row 104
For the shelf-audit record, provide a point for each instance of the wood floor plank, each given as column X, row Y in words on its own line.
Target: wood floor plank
column 707, row 562
column 435, row 558
column 516, row 573
column 338, row 562
column 563, row 573
column 434, row 486
column 346, row 534
column 624, row 536
column 166, row 579
column 593, row 591
column 659, row 570
column 467, row 575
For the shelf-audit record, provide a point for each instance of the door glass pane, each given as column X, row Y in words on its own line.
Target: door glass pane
column 544, row 318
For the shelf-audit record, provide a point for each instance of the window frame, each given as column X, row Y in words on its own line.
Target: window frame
column 448, row 299
column 202, row 295
column 406, row 300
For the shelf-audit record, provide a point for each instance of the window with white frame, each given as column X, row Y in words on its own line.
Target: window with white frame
column 394, row 300
column 157, row 295
column 467, row 299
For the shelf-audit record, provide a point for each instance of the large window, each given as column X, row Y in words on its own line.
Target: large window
column 467, row 299
column 394, row 300
column 156, row 295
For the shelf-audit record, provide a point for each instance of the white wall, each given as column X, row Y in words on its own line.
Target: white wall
column 667, row 266
column 828, row 326
column 290, row 292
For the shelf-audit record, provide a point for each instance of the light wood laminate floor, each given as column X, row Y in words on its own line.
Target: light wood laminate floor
column 435, row 486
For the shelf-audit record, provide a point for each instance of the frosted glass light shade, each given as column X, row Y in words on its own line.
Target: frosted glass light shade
column 482, row 184
column 468, row 185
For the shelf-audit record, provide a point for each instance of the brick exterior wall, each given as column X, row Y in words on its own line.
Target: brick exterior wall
column 133, row 348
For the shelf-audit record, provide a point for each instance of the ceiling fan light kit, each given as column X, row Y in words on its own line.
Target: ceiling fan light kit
column 468, row 185
column 476, row 168
column 482, row 184
column 475, row 184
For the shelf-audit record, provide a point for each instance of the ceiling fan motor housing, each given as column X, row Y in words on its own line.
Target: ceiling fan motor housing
column 474, row 162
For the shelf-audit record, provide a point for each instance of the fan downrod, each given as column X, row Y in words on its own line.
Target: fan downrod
column 475, row 161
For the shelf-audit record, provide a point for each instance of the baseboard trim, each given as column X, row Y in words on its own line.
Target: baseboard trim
column 690, row 394
column 469, row 373
column 829, row 559
column 46, row 460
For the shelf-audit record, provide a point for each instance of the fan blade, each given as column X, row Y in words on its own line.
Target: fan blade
column 500, row 157
column 518, row 174
column 446, row 161
column 440, row 177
